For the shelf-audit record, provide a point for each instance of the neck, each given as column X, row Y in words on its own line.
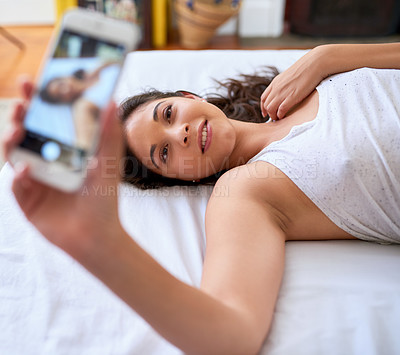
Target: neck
column 251, row 138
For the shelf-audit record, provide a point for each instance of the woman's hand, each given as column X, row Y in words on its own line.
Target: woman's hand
column 75, row 222
column 298, row 81
column 293, row 85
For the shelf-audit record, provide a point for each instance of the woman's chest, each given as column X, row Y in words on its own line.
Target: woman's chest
column 304, row 112
column 296, row 213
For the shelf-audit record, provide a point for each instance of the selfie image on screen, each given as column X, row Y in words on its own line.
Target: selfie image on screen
column 77, row 83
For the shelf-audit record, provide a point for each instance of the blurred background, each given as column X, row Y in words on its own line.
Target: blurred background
column 228, row 23
column 27, row 25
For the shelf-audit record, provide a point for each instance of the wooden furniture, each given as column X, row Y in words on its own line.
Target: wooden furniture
column 15, row 61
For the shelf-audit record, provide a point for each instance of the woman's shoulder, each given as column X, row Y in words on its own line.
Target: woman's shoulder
column 258, row 179
column 264, row 187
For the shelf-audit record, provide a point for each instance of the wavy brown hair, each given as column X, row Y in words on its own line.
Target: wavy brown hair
column 240, row 101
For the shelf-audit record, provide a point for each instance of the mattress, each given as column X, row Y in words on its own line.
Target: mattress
column 337, row 297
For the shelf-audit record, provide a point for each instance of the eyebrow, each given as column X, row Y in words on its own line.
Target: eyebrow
column 155, row 114
column 152, row 149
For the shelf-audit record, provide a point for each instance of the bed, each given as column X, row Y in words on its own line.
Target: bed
column 337, row 297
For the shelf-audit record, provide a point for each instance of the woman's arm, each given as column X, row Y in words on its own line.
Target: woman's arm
column 86, row 116
column 299, row 80
column 94, row 76
column 232, row 311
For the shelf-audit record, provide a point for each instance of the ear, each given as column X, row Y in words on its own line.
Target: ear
column 190, row 95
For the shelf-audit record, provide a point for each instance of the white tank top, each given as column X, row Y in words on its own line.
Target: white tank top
column 347, row 160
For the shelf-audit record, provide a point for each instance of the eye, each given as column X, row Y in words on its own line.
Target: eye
column 164, row 154
column 168, row 113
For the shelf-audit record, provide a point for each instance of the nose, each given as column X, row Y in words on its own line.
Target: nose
column 181, row 134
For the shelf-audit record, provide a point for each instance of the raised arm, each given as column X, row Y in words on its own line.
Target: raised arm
column 94, row 76
column 232, row 311
column 86, row 116
column 299, row 80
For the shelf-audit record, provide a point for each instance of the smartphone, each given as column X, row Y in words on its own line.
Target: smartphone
column 76, row 82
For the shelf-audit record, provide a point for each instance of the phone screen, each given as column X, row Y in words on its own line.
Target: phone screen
column 62, row 122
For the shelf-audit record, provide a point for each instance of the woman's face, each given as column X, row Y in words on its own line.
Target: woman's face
column 63, row 89
column 181, row 137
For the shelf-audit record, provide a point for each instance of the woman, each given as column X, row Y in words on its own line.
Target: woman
column 86, row 93
column 232, row 311
column 241, row 103
column 67, row 89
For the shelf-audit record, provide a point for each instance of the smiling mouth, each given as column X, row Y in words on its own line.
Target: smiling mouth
column 204, row 137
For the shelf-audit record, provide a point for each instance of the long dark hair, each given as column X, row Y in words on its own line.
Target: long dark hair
column 240, row 101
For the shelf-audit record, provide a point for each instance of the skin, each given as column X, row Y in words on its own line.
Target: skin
column 233, row 144
column 232, row 311
column 85, row 113
column 86, row 116
column 176, row 132
column 66, row 89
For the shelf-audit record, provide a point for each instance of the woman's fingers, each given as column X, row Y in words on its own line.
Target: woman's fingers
column 278, row 107
column 280, row 97
column 266, row 93
column 284, row 108
column 111, row 135
column 26, row 86
column 16, row 131
column 272, row 99
column 10, row 140
column 108, row 157
column 272, row 108
column 17, row 117
column 22, row 187
column 29, row 193
column 268, row 100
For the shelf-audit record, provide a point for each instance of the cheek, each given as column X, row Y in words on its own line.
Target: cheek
column 189, row 167
column 185, row 167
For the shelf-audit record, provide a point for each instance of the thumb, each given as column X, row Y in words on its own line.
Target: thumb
column 111, row 139
column 109, row 154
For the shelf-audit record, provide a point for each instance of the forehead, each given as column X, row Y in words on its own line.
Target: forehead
column 141, row 130
column 142, row 115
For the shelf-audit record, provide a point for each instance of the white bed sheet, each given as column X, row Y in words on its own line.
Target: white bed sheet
column 337, row 297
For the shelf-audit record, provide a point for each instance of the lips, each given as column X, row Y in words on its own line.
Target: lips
column 204, row 136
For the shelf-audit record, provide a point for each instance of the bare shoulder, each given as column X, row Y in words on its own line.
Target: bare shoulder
column 83, row 106
column 271, row 190
column 258, row 187
column 244, row 257
column 260, row 180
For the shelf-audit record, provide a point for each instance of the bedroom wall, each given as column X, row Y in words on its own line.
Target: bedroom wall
column 27, row 12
